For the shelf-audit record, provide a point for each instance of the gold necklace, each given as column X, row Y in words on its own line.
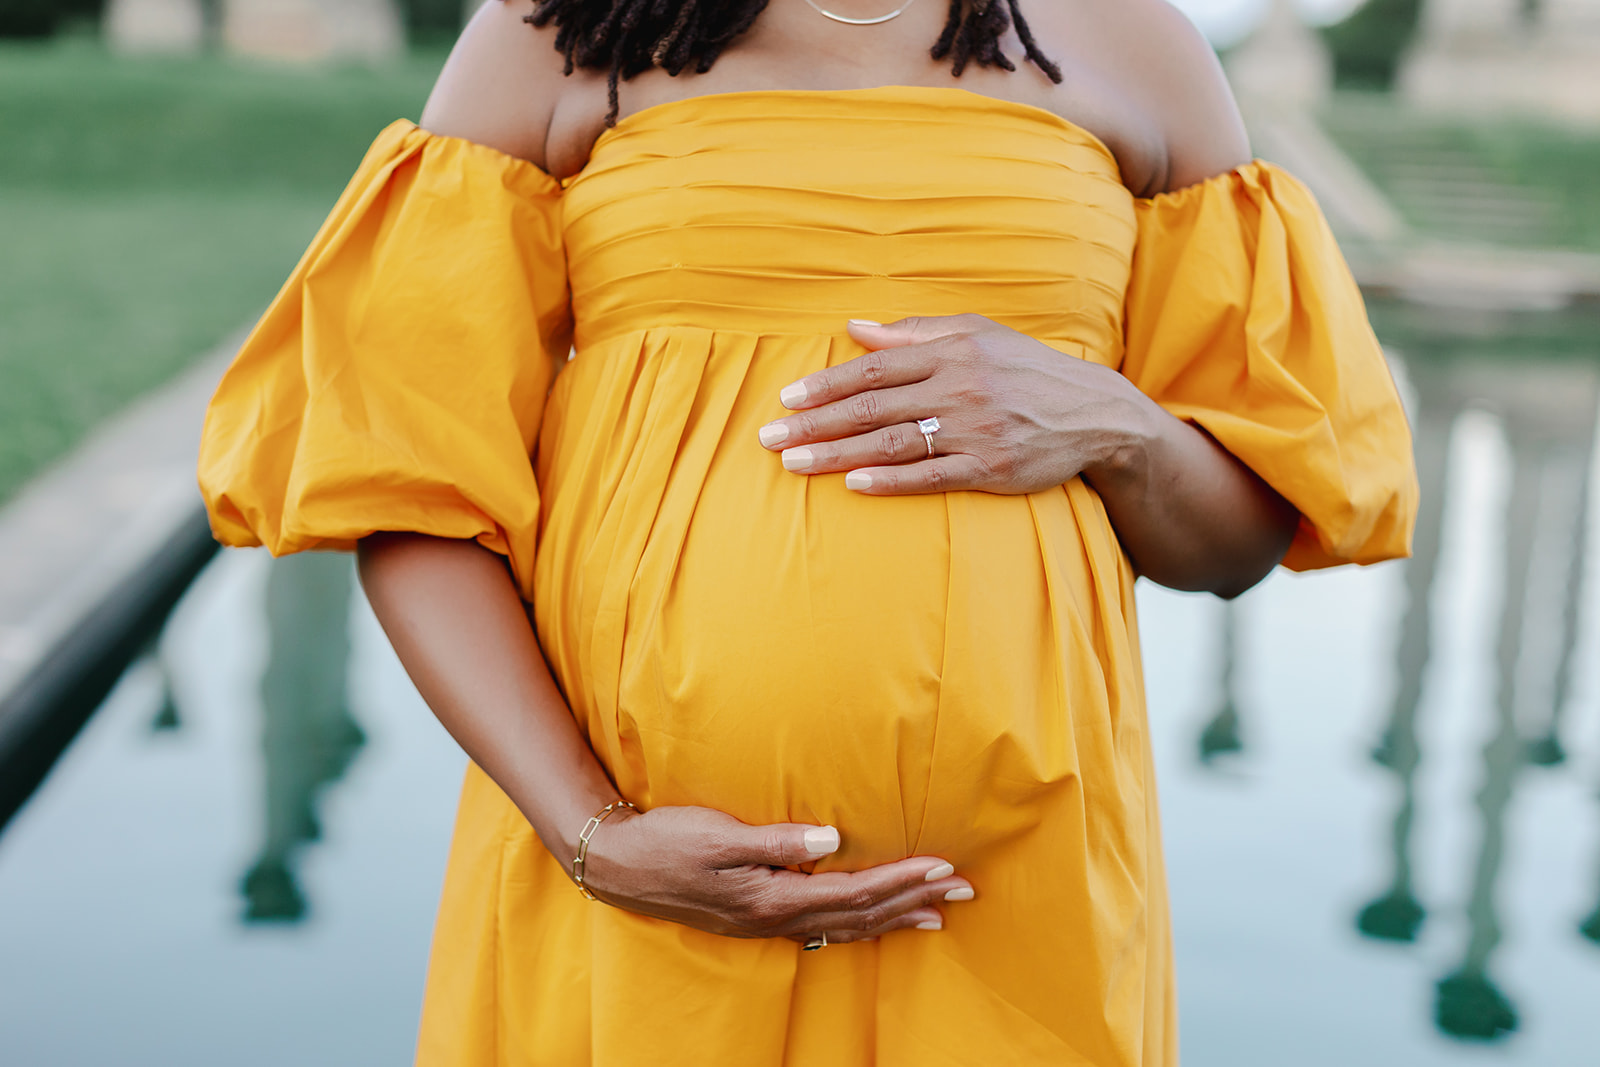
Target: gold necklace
column 825, row 13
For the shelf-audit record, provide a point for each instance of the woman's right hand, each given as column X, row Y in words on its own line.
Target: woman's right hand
column 708, row 870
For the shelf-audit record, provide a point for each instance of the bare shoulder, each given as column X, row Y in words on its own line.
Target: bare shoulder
column 1167, row 68
column 501, row 84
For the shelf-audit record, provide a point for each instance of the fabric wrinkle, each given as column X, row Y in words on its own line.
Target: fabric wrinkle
column 954, row 674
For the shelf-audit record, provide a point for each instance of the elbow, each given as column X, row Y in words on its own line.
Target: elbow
column 1236, row 587
column 1232, row 568
column 1251, row 568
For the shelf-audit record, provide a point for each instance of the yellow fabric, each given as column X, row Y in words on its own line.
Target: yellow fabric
column 953, row 674
column 350, row 408
column 1243, row 318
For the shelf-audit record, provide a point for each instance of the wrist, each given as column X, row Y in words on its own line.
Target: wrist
column 560, row 826
column 1127, row 443
column 580, row 869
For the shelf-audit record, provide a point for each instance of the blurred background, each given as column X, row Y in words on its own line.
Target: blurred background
column 224, row 811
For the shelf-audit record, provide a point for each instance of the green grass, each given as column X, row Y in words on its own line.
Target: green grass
column 1541, row 163
column 148, row 208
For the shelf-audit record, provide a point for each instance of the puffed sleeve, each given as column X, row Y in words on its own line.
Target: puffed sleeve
column 398, row 380
column 1243, row 318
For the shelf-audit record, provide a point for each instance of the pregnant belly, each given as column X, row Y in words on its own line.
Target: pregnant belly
column 780, row 648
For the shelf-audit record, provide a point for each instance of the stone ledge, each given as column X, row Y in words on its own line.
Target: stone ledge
column 92, row 519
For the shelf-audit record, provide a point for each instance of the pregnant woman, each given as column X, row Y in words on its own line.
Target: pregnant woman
column 752, row 416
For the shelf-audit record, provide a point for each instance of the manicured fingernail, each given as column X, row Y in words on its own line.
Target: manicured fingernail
column 930, row 924
column 960, row 892
column 822, row 840
column 792, row 395
column 798, row 459
column 858, row 480
column 866, row 939
column 864, row 322
column 944, row 870
column 772, row 433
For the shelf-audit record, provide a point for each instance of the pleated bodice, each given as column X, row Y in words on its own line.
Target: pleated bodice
column 790, row 211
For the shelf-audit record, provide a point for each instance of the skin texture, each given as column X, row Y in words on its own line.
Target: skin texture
column 1016, row 416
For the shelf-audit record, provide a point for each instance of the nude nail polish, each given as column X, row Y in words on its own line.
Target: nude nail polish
column 858, row 480
column 864, row 322
column 773, row 433
column 822, row 840
column 930, row 924
column 793, row 395
column 944, row 870
column 960, row 892
column 798, row 459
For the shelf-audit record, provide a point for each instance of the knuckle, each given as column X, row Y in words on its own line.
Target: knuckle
column 874, row 368
column 871, row 918
column 937, row 477
column 892, row 443
column 773, row 850
column 760, row 913
column 864, row 408
column 859, row 898
column 806, row 425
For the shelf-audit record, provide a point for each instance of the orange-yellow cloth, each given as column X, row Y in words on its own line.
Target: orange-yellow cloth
column 397, row 381
column 954, row 674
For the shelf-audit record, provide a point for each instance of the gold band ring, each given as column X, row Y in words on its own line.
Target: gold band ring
column 815, row 943
column 928, row 427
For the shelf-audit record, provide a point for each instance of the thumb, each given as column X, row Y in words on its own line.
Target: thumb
column 915, row 330
column 782, row 844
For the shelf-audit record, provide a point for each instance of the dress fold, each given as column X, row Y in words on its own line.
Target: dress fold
column 1243, row 318
column 954, row 675
column 398, row 380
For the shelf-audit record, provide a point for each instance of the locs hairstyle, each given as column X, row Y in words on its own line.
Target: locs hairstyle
column 628, row 37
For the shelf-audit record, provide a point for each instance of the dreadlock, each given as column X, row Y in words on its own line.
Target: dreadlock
column 628, row 37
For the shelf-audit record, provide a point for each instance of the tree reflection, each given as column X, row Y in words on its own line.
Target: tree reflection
column 1547, row 409
column 1397, row 914
column 308, row 737
column 1220, row 735
column 167, row 718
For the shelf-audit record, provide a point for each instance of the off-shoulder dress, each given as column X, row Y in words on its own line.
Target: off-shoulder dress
column 573, row 373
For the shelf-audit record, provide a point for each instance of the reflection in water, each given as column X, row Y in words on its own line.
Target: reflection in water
column 1590, row 926
column 1567, row 477
column 308, row 737
column 166, row 719
column 1469, row 1003
column 1548, row 412
column 1396, row 914
column 1220, row 736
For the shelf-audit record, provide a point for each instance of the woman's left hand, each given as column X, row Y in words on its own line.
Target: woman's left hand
column 1015, row 415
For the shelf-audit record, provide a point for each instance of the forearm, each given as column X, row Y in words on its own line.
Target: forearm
column 456, row 621
column 1189, row 514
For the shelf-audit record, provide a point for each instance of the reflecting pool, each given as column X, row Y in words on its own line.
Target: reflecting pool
column 1381, row 788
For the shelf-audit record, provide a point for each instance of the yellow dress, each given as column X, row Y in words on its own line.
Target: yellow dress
column 955, row 675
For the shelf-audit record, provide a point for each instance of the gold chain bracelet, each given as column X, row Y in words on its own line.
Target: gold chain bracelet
column 583, row 843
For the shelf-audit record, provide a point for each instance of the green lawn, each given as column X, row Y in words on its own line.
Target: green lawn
column 1494, row 180
column 147, row 208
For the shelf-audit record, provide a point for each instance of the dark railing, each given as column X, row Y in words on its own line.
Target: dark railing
column 44, row 712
